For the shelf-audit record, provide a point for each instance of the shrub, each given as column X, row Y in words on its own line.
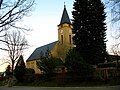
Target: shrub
column 29, row 75
column 77, row 68
column 20, row 69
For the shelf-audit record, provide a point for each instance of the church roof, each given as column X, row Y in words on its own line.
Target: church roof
column 65, row 18
column 36, row 54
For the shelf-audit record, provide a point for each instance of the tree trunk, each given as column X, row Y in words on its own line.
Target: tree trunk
column 12, row 67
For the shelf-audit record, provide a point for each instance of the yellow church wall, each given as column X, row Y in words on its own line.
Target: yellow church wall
column 64, row 30
column 54, row 51
column 32, row 64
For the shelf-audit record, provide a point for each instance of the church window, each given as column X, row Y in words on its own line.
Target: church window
column 62, row 39
column 70, row 39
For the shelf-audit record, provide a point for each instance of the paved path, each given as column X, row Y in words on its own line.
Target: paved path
column 60, row 88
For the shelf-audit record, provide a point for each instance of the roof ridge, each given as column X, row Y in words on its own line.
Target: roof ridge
column 46, row 44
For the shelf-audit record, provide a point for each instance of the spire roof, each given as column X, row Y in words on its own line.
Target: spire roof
column 65, row 18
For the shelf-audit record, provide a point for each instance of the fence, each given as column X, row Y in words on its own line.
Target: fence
column 108, row 71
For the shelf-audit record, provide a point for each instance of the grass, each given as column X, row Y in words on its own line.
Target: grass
column 0, row 83
column 55, row 83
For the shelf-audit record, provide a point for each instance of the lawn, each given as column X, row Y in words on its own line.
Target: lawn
column 71, row 84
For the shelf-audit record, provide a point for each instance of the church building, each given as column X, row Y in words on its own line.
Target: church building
column 58, row 48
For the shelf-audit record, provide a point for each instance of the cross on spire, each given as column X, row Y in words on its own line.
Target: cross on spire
column 64, row 5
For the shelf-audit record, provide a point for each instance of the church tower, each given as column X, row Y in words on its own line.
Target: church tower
column 65, row 34
column 65, row 29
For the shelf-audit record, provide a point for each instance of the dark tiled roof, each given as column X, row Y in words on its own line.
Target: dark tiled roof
column 36, row 54
column 65, row 17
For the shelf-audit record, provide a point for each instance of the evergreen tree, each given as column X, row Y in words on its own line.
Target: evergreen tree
column 20, row 69
column 89, row 30
column 47, row 63
column 75, row 64
column 8, row 71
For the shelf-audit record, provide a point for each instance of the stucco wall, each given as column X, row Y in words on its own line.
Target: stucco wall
column 32, row 64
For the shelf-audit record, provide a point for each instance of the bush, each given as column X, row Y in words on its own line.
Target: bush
column 29, row 75
column 77, row 68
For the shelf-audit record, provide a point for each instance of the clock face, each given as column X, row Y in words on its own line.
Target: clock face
column 61, row 31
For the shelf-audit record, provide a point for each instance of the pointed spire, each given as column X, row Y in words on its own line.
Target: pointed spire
column 65, row 17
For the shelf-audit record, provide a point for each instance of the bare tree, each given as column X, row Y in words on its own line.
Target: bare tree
column 115, row 18
column 115, row 49
column 11, row 11
column 14, row 44
column 113, row 13
column 115, row 26
column 113, row 7
column 115, row 10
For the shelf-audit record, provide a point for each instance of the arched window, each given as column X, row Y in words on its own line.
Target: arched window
column 70, row 41
column 62, row 39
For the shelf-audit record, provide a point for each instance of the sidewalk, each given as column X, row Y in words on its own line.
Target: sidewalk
column 60, row 88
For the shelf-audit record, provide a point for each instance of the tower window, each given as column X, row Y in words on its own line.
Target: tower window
column 70, row 39
column 62, row 39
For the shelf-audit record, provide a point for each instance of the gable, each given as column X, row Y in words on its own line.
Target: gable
column 36, row 54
